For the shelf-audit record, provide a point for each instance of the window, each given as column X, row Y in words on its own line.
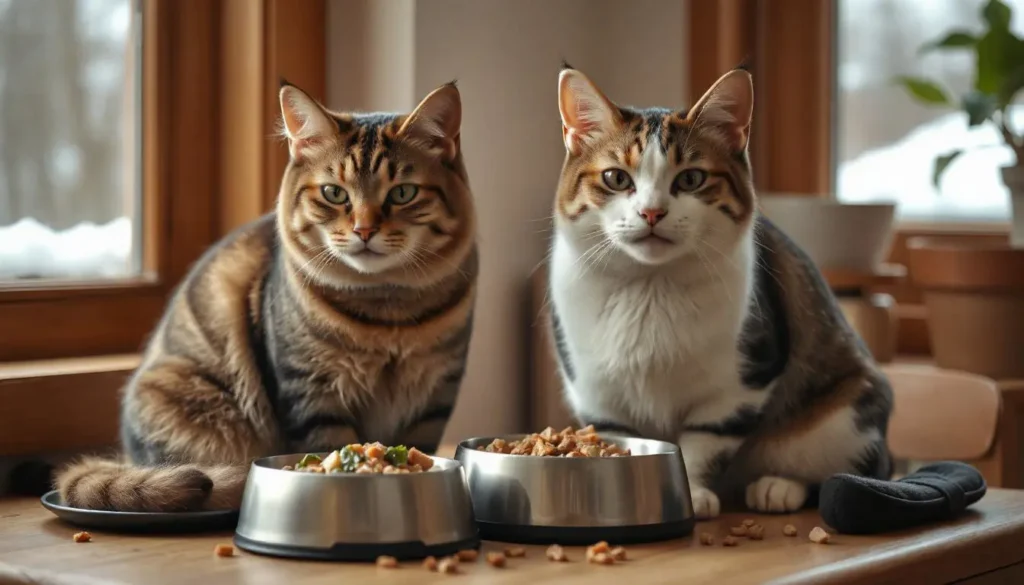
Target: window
column 885, row 142
column 69, row 115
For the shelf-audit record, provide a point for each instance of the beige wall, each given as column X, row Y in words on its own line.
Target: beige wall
column 385, row 54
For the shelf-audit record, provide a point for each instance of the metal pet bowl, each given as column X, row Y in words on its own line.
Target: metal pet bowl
column 355, row 517
column 643, row 497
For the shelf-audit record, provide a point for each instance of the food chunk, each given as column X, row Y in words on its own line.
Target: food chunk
column 556, row 553
column 386, row 562
column 515, row 552
column 819, row 536
column 565, row 443
column 496, row 559
column 366, row 458
column 82, row 537
column 707, row 539
column 224, row 550
column 789, row 530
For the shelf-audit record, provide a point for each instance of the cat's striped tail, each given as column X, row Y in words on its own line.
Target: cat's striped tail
column 102, row 484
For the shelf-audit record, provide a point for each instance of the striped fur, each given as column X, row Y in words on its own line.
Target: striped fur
column 679, row 313
column 329, row 321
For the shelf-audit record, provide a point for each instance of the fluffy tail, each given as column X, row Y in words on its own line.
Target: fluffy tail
column 101, row 484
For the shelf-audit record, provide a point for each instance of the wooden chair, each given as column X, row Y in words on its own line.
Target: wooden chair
column 948, row 415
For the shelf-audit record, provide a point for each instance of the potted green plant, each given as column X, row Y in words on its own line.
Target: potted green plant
column 974, row 292
column 998, row 78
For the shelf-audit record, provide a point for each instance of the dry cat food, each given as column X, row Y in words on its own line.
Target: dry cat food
column 515, row 552
column 738, row 530
column 618, row 553
column 82, row 537
column 496, row 559
column 819, row 536
column 224, row 550
column 730, row 541
column 386, row 562
column 469, row 555
column 556, row 553
column 602, row 554
column 568, row 442
column 366, row 458
column 789, row 530
column 430, row 564
column 448, row 565
column 707, row 539
column 755, row 532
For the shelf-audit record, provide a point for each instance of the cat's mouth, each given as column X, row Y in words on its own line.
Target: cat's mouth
column 365, row 252
column 652, row 238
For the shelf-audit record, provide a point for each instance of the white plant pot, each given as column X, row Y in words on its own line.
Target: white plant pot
column 1013, row 178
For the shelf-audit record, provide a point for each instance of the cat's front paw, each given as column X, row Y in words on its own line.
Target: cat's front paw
column 776, row 494
column 705, row 503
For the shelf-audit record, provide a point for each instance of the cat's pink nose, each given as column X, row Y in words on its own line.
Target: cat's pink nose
column 652, row 216
column 365, row 232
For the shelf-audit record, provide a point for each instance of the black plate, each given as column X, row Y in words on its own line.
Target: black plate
column 152, row 522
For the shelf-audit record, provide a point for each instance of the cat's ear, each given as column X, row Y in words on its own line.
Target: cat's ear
column 306, row 124
column 727, row 106
column 436, row 123
column 586, row 113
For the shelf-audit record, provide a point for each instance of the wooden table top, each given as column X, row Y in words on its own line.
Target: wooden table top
column 986, row 538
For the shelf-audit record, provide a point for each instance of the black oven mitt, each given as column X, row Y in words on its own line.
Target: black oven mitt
column 859, row 505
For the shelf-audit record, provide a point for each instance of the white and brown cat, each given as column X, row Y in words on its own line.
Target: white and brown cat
column 680, row 313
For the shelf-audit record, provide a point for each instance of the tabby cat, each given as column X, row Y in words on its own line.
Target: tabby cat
column 345, row 315
column 680, row 313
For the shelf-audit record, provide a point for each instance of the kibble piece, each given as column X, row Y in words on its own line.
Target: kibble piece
column 789, row 530
column 82, row 537
column 755, row 532
column 387, row 562
column 730, row 541
column 496, row 559
column 448, row 565
column 556, row 553
column 618, row 553
column 602, row 558
column 819, row 536
column 515, row 552
column 430, row 564
column 469, row 555
column 601, row 546
column 707, row 539
column 738, row 530
column 748, row 522
column 224, row 550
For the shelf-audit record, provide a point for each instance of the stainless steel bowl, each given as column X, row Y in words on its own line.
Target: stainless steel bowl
column 640, row 498
column 355, row 517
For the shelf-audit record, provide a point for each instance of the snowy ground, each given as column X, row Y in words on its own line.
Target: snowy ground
column 971, row 188
column 29, row 249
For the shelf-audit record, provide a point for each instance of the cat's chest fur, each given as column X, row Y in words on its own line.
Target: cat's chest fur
column 661, row 349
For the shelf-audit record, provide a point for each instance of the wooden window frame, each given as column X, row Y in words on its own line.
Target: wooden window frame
column 210, row 164
column 790, row 45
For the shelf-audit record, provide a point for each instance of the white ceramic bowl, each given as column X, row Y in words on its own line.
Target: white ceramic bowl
column 849, row 236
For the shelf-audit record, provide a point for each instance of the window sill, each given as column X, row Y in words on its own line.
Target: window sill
column 61, row 405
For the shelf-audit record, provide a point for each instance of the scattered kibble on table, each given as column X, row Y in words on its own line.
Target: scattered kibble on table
column 515, row 552
column 618, row 553
column 224, row 550
column 730, row 541
column 789, row 530
column 469, row 555
column 738, row 530
column 819, row 536
column 496, row 559
column 755, row 532
column 386, row 562
column 556, row 553
column 82, row 537
column 707, row 539
column 430, row 564
column 448, row 565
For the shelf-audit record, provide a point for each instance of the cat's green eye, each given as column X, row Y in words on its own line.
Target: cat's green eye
column 401, row 194
column 617, row 179
column 334, row 194
column 689, row 180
